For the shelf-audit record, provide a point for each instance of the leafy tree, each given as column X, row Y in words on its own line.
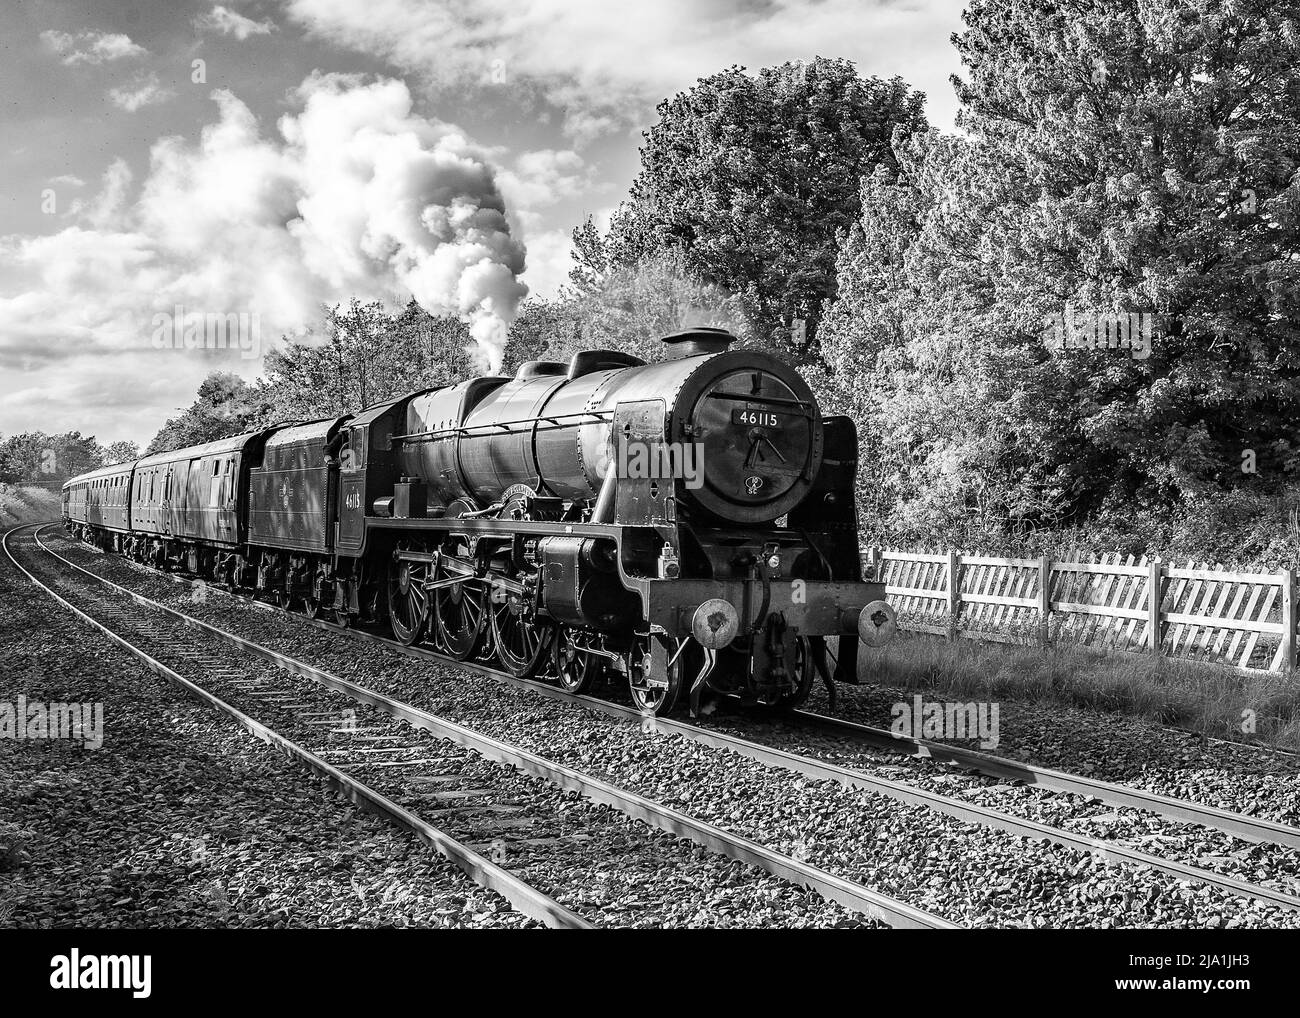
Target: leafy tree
column 627, row 308
column 121, row 452
column 365, row 356
column 752, row 177
column 226, row 405
column 37, row 457
column 543, row 330
column 1118, row 157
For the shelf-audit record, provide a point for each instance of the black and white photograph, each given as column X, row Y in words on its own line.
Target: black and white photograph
column 778, row 471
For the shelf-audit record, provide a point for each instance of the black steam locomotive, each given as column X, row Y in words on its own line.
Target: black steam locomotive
column 688, row 524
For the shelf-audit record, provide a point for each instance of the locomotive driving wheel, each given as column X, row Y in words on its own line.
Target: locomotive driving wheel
column 517, row 634
column 459, row 612
column 408, row 602
column 575, row 670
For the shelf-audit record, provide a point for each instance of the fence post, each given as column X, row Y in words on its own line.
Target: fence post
column 1288, row 618
column 954, row 593
column 874, row 552
column 1044, row 600
column 1155, row 581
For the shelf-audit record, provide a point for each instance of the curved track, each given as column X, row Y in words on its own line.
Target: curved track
column 832, row 887
column 526, row 899
column 1177, row 810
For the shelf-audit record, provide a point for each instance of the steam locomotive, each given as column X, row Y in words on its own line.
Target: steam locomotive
column 687, row 525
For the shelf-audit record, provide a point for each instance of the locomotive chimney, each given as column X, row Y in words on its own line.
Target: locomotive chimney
column 696, row 342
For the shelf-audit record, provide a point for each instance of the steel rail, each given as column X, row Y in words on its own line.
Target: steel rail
column 526, row 899
column 813, row 768
column 848, row 893
column 1184, row 810
column 821, row 770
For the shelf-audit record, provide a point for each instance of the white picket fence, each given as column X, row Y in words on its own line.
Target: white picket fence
column 1197, row 612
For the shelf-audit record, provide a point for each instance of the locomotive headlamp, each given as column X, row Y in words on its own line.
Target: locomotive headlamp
column 715, row 623
column 877, row 623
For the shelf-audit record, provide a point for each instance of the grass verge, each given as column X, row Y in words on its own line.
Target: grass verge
column 1208, row 699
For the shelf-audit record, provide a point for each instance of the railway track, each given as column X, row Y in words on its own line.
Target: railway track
column 523, row 897
column 284, row 698
column 1172, row 809
column 1179, row 810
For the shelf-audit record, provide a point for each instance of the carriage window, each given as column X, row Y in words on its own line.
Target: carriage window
column 214, row 491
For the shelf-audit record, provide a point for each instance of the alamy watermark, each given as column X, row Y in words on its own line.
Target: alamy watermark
column 661, row 461
column 75, row 971
column 945, row 721
column 83, row 722
column 179, row 329
column 1091, row 330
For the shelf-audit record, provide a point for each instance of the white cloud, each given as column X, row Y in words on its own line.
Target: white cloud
column 542, row 177
column 145, row 91
column 227, row 22
column 90, row 47
column 357, row 196
column 550, row 257
column 607, row 64
column 106, row 210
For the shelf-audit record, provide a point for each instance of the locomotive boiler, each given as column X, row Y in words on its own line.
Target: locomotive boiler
column 686, row 525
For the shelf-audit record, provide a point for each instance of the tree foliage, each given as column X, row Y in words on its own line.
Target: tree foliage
column 121, row 452
column 364, row 355
column 226, row 405
column 628, row 308
column 36, row 457
column 1119, row 157
column 358, row 356
column 751, row 178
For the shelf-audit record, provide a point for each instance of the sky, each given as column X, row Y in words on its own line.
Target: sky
column 182, row 183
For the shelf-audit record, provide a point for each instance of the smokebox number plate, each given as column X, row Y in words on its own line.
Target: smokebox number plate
column 757, row 418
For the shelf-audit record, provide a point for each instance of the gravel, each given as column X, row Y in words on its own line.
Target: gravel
column 1121, row 749
column 180, row 819
column 591, row 858
column 969, row 873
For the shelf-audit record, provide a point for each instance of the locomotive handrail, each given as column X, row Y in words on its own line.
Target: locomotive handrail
column 531, row 422
column 802, row 404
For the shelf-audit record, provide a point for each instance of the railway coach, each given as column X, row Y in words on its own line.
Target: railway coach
column 541, row 522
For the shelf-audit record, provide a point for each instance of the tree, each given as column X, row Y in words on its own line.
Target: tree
column 1119, row 158
column 752, row 177
column 629, row 308
column 121, row 452
column 544, row 330
column 634, row 305
column 226, row 405
column 37, row 457
column 365, row 356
